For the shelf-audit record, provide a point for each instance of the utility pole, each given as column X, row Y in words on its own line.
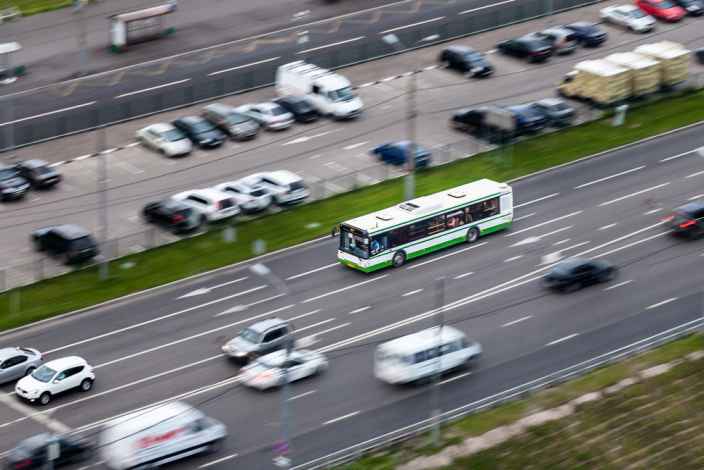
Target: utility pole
column 9, row 116
column 78, row 10
column 103, row 195
column 435, row 388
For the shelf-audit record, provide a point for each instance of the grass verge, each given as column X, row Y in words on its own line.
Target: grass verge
column 32, row 7
column 576, row 441
column 202, row 253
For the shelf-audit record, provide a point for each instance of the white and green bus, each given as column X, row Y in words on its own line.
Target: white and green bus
column 392, row 236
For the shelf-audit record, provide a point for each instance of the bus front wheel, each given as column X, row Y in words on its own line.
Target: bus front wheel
column 399, row 259
column 472, row 235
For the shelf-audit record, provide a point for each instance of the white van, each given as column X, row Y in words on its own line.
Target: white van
column 330, row 93
column 415, row 357
column 163, row 434
column 284, row 186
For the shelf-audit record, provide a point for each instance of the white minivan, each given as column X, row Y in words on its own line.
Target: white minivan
column 211, row 204
column 162, row 434
column 417, row 357
column 284, row 186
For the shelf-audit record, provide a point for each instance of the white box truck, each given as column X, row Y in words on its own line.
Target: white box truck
column 159, row 435
column 329, row 92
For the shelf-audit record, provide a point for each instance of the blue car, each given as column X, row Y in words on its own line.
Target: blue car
column 395, row 153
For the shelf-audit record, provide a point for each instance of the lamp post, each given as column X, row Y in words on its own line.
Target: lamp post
column 81, row 31
column 435, row 391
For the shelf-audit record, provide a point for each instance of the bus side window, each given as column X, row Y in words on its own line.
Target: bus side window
column 454, row 219
column 398, row 236
column 419, row 357
column 468, row 215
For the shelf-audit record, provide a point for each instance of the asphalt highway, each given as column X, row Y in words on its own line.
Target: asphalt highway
column 165, row 344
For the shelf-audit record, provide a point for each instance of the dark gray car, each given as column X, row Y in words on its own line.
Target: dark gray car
column 38, row 173
column 556, row 111
column 258, row 339
column 236, row 125
column 12, row 185
column 15, row 363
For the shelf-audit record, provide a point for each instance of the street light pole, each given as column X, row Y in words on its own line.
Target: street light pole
column 435, row 391
column 81, row 30
column 103, row 194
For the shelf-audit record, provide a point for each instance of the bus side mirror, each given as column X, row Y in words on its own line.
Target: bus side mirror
column 335, row 231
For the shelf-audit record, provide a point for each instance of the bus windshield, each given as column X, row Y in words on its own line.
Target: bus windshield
column 354, row 242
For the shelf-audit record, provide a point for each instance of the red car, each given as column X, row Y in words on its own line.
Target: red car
column 662, row 9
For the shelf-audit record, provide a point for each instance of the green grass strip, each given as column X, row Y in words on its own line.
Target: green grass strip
column 196, row 255
column 32, row 7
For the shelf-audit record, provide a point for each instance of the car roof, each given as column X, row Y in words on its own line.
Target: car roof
column 267, row 105
column 6, row 353
column 36, row 441
column 161, row 127
column 694, row 206
column 277, row 358
column 290, row 99
column 191, row 119
column 560, row 30
column 63, row 362
column 551, row 101
column 220, row 108
column 70, row 231
column 461, row 49
column 282, row 176
column 34, row 163
column 422, row 340
column 267, row 324
column 625, row 8
column 210, row 193
column 571, row 263
column 581, row 25
column 174, row 204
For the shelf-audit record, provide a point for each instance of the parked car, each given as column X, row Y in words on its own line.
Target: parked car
column 165, row 139
column 699, row 53
column 395, row 153
column 201, row 132
column 12, row 185
column 562, row 40
column 211, row 204
column 469, row 120
column 259, row 339
column 237, row 125
column 692, row 7
column 249, row 198
column 530, row 46
column 72, row 243
column 270, row 115
column 15, row 363
column 575, row 273
column 267, row 372
column 629, row 16
column 557, row 112
column 55, row 377
column 38, row 173
column 588, row 34
column 687, row 220
column 663, row 10
column 31, row 453
column 173, row 215
column 467, row 61
column 527, row 118
column 284, row 186
column 299, row 107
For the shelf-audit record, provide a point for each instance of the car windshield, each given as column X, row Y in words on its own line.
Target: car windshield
column 249, row 335
column 278, row 111
column 638, row 13
column 473, row 57
column 355, row 242
column 271, row 361
column 296, row 185
column 343, row 94
column 559, row 107
column 43, row 374
column 82, row 243
column 7, row 173
column 173, row 135
column 202, row 126
column 665, row 4
column 258, row 193
column 236, row 118
column 44, row 170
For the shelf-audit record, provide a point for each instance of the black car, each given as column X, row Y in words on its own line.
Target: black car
column 466, row 60
column 699, row 53
column 12, row 185
column 70, row 242
column 575, row 273
column 172, row 214
column 588, row 34
column 469, row 120
column 688, row 220
column 201, row 131
column 530, row 46
column 557, row 112
column 32, row 452
column 300, row 108
column 38, row 173
column 527, row 119
column 692, row 7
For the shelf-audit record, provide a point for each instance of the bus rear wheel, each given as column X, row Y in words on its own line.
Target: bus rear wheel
column 399, row 259
column 472, row 235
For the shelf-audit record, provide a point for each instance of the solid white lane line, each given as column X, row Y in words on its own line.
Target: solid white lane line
column 522, row 319
column 354, row 146
column 692, row 175
column 456, row 377
column 82, row 157
column 301, row 395
column 337, row 291
column 513, row 258
column 637, row 193
column 330, row 45
column 460, row 276
column 605, row 227
column 541, row 224
column 29, row 118
column 620, row 284
column 504, row 2
column 412, row 292
column 535, row 200
column 30, row 413
column 271, row 59
column 698, row 196
column 438, row 258
column 398, row 28
column 360, row 309
column 516, row 219
column 561, row 242
column 688, row 152
column 340, row 418
column 298, row 317
column 223, row 459
column 606, row 178
column 153, row 320
column 563, row 339
column 660, row 304
column 177, row 82
column 290, row 278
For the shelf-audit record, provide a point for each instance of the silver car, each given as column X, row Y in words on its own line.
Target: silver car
column 15, row 363
column 261, row 338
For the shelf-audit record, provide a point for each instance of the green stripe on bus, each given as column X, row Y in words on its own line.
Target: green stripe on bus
column 369, row 269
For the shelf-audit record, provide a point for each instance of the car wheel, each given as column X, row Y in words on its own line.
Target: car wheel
column 86, row 385
column 45, row 398
column 472, row 235
column 399, row 259
column 162, row 152
column 29, row 371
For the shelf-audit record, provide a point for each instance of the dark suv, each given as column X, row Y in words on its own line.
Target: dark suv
column 469, row 120
column 258, row 339
column 688, row 220
column 527, row 118
column 32, row 452
column 466, row 60
column 38, row 173
column 12, row 185
column 71, row 243
column 173, row 215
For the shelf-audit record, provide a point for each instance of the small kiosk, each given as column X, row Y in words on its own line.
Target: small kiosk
column 8, row 72
column 138, row 26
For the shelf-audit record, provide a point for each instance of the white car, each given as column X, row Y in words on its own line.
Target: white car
column 284, row 186
column 165, row 139
column 630, row 17
column 268, row 114
column 55, row 377
column 249, row 198
column 211, row 204
column 267, row 371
